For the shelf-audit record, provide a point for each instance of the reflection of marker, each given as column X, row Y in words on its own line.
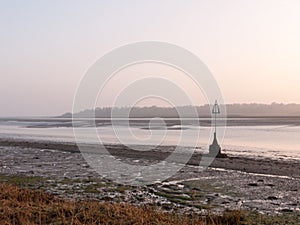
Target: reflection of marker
column 214, row 148
column 216, row 110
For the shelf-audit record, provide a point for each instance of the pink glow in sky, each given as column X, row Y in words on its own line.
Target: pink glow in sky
column 251, row 47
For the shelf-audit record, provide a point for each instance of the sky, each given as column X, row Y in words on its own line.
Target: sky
column 251, row 47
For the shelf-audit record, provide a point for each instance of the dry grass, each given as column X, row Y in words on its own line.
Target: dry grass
column 23, row 206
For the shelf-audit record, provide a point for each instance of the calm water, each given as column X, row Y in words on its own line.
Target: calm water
column 280, row 139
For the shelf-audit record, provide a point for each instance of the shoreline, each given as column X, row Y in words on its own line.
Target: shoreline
column 248, row 164
column 232, row 121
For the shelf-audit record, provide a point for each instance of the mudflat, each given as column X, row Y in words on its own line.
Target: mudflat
column 267, row 185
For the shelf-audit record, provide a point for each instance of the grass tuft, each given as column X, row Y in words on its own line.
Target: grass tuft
column 25, row 206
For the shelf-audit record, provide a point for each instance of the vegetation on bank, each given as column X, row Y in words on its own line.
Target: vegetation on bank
column 27, row 206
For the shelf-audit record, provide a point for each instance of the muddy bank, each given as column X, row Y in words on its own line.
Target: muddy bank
column 260, row 165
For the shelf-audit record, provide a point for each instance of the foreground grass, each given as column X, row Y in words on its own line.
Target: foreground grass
column 25, row 206
column 19, row 205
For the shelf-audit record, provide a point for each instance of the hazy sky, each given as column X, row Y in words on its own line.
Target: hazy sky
column 251, row 47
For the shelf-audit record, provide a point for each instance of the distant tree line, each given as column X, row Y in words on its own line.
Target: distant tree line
column 233, row 110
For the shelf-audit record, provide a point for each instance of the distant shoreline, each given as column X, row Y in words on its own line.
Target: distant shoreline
column 48, row 122
column 229, row 110
column 31, row 118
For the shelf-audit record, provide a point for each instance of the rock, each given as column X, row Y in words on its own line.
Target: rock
column 287, row 210
column 225, row 202
column 277, row 204
column 272, row 198
column 167, row 207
